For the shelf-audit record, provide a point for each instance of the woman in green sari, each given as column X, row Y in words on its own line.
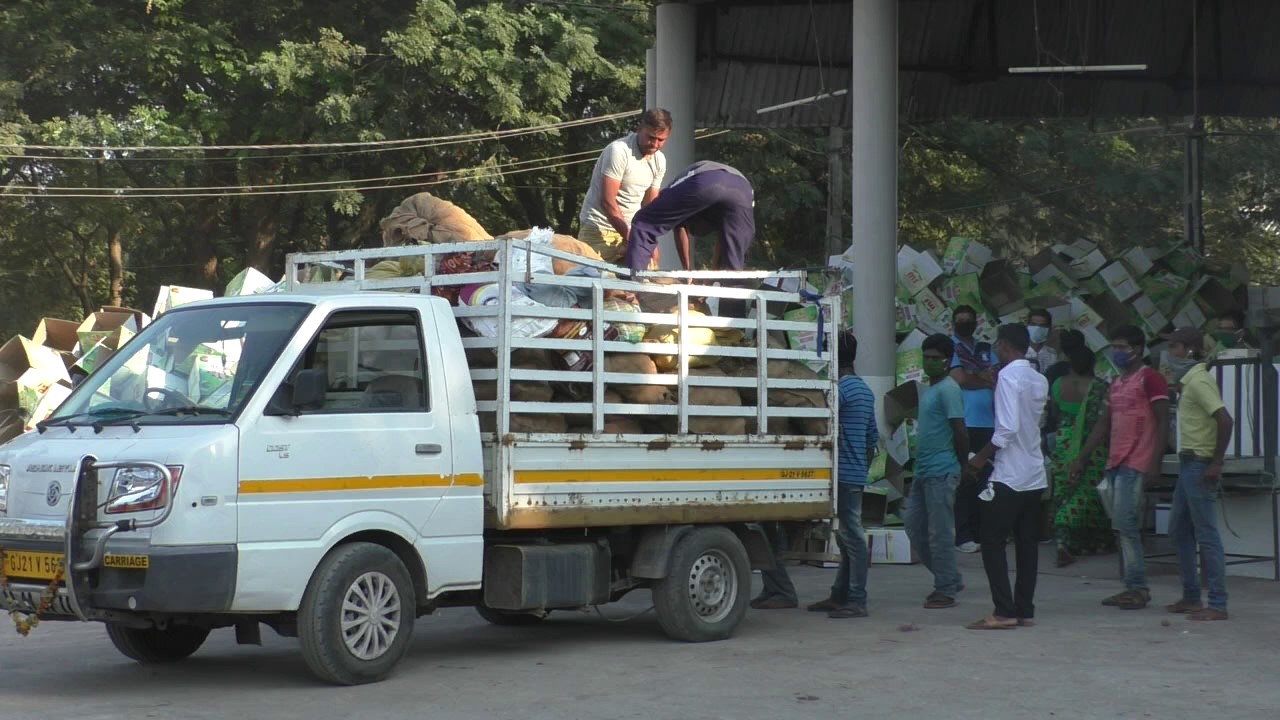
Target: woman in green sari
column 1076, row 402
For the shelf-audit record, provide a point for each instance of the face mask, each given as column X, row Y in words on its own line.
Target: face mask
column 1179, row 366
column 965, row 328
column 1122, row 359
column 1039, row 334
column 1227, row 338
column 935, row 368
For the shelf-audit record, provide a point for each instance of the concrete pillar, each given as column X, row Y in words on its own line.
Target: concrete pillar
column 650, row 78
column 676, row 63
column 874, row 185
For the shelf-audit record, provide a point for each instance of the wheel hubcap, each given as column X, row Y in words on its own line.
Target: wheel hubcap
column 370, row 615
column 713, row 586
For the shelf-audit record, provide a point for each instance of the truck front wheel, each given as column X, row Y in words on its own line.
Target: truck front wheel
column 357, row 614
column 704, row 595
column 153, row 646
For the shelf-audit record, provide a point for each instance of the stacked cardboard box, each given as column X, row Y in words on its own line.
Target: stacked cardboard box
column 1078, row 283
column 36, row 373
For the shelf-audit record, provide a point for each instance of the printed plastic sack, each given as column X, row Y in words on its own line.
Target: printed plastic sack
column 671, row 334
column 491, row 295
column 627, row 332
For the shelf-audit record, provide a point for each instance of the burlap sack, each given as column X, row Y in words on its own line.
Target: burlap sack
column 425, row 218
column 778, row 397
column 638, row 364
column 706, row 425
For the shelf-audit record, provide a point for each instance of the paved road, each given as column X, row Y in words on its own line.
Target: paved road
column 1082, row 661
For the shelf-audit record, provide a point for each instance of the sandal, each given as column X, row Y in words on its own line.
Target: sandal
column 991, row 622
column 1026, row 622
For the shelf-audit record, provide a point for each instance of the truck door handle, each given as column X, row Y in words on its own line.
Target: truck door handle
column 427, row 449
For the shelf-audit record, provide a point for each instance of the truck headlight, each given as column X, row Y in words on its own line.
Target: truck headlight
column 136, row 488
column 4, row 488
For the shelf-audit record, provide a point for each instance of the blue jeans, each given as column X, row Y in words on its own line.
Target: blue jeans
column 931, row 524
column 1193, row 521
column 777, row 582
column 1126, row 520
column 850, row 587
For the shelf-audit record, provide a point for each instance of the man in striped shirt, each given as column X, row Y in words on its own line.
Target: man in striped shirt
column 859, row 439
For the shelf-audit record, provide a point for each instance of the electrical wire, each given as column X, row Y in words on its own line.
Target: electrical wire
column 461, row 175
column 392, row 144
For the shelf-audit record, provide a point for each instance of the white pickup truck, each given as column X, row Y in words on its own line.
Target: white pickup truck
column 322, row 468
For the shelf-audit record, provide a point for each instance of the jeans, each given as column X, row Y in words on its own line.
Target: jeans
column 1011, row 511
column 1193, row 521
column 930, row 521
column 1126, row 520
column 850, row 587
column 777, row 582
column 968, row 506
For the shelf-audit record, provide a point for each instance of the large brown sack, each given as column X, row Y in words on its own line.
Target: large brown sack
column 779, row 397
column 717, row 396
column 563, row 243
column 424, row 218
column 638, row 364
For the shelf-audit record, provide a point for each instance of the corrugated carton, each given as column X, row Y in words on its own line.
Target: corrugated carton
column 1118, row 280
column 113, row 326
column 965, row 255
column 58, row 335
column 171, row 296
column 916, row 270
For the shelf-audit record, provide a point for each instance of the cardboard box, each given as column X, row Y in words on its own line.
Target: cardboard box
column 1094, row 339
column 889, row 546
column 140, row 317
column 171, row 296
column 1119, row 281
column 1164, row 288
column 1083, row 316
column 902, row 402
column 1138, row 261
column 54, row 395
column 1182, row 260
column 1078, row 249
column 100, row 326
column 58, row 335
column 1088, row 265
column 1214, row 297
column 910, row 358
column 1001, row 292
column 1113, row 312
column 1190, row 315
column 961, row 290
column 1149, row 316
column 249, row 282
column 875, row 506
column 209, row 373
column 916, row 270
column 898, row 445
column 27, row 370
column 965, row 255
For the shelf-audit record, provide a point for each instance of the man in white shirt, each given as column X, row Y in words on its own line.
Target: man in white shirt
column 627, row 177
column 1039, row 327
column 1012, row 497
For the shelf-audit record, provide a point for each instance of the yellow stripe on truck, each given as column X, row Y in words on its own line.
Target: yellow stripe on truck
column 360, row 482
column 551, row 477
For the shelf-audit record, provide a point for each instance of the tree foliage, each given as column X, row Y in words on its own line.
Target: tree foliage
column 277, row 72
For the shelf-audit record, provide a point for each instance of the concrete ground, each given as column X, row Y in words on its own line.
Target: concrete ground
column 1081, row 661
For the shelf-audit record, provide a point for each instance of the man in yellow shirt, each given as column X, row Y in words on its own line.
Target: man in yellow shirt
column 1205, row 430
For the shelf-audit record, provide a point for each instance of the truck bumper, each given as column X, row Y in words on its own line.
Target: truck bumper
column 175, row 579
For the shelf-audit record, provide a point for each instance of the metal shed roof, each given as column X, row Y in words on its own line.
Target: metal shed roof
column 955, row 55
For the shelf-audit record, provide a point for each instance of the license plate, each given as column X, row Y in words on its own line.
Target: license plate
column 32, row 565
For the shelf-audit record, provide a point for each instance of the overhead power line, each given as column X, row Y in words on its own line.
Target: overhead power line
column 460, row 175
column 389, row 144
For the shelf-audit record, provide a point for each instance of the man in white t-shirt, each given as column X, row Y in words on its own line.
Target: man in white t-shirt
column 627, row 176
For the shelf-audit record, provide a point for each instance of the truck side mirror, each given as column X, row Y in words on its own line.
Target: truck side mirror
column 306, row 392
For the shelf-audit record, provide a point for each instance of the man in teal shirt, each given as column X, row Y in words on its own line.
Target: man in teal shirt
column 942, row 449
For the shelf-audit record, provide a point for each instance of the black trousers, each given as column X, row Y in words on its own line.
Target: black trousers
column 968, row 510
column 1017, row 513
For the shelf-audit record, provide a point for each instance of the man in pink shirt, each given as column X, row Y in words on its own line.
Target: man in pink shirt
column 1136, row 419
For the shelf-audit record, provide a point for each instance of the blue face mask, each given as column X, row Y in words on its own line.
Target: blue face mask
column 1122, row 358
column 1039, row 334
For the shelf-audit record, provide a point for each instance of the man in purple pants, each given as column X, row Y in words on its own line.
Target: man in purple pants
column 705, row 197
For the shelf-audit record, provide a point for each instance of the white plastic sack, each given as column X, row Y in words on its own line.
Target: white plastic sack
column 520, row 326
column 540, row 263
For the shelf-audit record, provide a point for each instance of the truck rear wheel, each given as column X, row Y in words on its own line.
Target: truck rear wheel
column 509, row 618
column 357, row 615
column 704, row 595
column 153, row 646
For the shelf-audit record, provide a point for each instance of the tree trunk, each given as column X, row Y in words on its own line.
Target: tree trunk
column 262, row 243
column 115, row 262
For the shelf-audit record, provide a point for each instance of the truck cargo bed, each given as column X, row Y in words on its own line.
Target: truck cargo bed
column 768, row 456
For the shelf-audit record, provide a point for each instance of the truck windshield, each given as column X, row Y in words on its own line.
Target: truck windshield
column 191, row 366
